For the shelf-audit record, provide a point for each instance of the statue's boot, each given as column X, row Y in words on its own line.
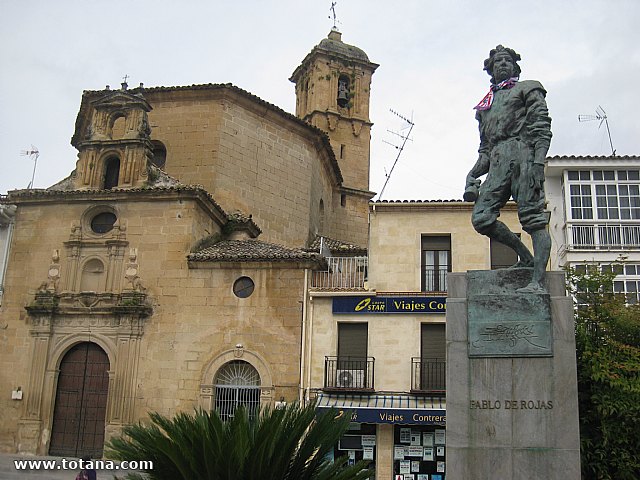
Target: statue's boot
column 542, row 250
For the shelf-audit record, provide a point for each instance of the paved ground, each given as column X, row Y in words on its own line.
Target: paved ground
column 8, row 470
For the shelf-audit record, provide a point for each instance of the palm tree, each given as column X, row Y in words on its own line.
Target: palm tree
column 282, row 444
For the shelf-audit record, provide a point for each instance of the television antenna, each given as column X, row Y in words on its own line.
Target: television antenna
column 601, row 116
column 400, row 147
column 33, row 154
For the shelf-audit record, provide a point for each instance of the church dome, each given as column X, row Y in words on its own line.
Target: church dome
column 334, row 44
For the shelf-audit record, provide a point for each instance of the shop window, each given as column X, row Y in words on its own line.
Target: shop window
column 419, row 450
column 358, row 443
column 237, row 383
column 501, row 255
column 436, row 262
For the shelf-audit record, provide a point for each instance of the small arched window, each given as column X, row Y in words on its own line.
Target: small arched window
column 111, row 173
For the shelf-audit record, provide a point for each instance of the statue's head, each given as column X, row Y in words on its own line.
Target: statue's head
column 498, row 53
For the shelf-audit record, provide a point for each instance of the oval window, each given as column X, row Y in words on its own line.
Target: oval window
column 103, row 222
column 243, row 287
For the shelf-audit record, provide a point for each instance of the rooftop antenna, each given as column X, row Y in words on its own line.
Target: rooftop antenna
column 600, row 115
column 33, row 154
column 333, row 13
column 407, row 124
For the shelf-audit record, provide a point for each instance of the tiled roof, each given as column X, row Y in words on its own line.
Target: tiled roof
column 251, row 251
column 418, row 201
column 593, row 157
column 337, row 246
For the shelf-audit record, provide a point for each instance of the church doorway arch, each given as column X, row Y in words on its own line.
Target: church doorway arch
column 81, row 402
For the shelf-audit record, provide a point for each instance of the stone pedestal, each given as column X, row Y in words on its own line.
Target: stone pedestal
column 512, row 401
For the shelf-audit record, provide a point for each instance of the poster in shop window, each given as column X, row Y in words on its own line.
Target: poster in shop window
column 427, row 454
column 413, row 451
column 405, row 435
column 436, row 477
column 415, row 438
column 405, row 466
column 368, row 440
column 423, row 476
column 398, row 452
column 440, row 452
column 440, row 467
column 399, row 477
column 415, row 465
column 440, row 437
column 427, row 439
column 410, row 476
column 367, row 453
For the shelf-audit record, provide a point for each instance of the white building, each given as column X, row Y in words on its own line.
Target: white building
column 595, row 214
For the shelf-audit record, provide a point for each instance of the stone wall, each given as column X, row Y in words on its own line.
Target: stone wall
column 166, row 363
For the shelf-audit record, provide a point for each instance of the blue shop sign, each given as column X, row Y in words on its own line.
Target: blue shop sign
column 374, row 304
column 394, row 416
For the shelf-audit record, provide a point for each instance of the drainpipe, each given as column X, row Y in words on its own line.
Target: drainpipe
column 303, row 337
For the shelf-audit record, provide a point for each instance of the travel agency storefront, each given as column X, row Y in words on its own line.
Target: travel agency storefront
column 381, row 359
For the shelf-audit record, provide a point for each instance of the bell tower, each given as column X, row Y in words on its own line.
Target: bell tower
column 332, row 93
column 112, row 138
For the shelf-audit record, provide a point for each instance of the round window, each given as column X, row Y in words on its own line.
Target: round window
column 243, row 287
column 103, row 222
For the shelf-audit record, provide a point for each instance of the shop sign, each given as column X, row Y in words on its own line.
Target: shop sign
column 375, row 304
column 395, row 416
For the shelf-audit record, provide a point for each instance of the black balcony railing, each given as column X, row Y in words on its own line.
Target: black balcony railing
column 348, row 373
column 428, row 375
column 434, row 279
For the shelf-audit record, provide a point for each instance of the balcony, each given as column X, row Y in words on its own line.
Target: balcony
column 603, row 237
column 349, row 373
column 428, row 375
column 434, row 279
column 343, row 273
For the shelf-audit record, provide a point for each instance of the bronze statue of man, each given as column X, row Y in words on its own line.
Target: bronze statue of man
column 515, row 133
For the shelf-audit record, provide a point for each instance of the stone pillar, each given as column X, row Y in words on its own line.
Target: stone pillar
column 384, row 451
column 512, row 403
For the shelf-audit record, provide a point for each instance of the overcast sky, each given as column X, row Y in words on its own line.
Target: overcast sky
column 586, row 53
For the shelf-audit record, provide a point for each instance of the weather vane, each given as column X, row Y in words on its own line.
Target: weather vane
column 333, row 12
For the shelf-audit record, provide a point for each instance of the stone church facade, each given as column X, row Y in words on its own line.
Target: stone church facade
column 169, row 270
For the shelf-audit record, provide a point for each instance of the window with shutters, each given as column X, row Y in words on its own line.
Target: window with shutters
column 436, row 262
column 428, row 371
column 351, row 368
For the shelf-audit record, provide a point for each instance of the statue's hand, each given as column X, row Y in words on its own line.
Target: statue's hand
column 537, row 176
column 471, row 190
column 471, row 180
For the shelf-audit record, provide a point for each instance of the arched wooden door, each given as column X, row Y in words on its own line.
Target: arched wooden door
column 81, row 402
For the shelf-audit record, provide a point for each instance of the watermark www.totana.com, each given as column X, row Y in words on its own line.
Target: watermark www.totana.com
column 69, row 464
